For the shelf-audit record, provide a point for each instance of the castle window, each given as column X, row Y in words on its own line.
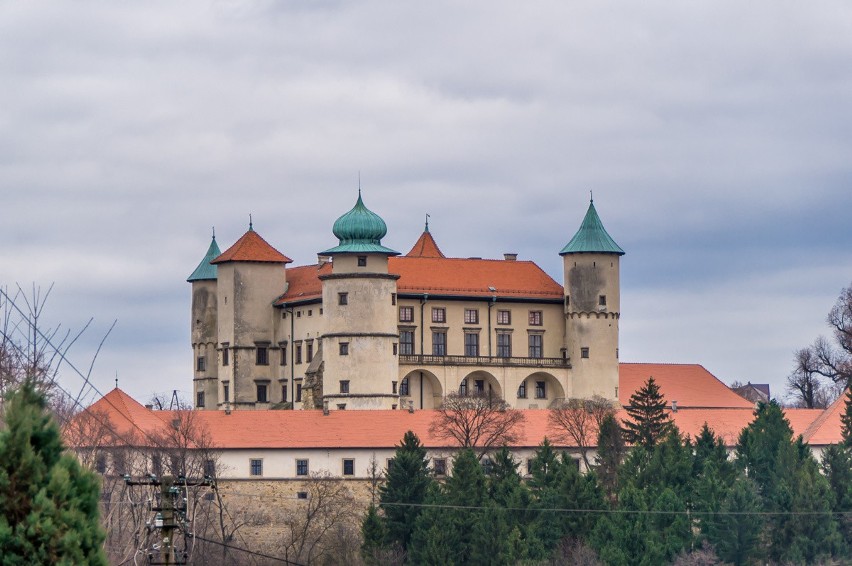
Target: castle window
column 343, row 298
column 535, row 345
column 341, row 406
column 226, row 392
column 540, row 391
column 567, row 300
column 406, row 314
column 199, row 399
column 395, row 348
column 101, row 464
column 226, row 354
column 504, row 345
column 262, row 396
column 584, row 352
column 471, row 316
column 255, row 467
column 310, row 312
column 403, row 386
column 479, row 386
column 344, row 348
column 463, row 387
column 209, row 468
column 504, row 317
column 535, row 318
column 362, row 261
column 298, row 353
column 439, row 343
column 439, row 466
column 393, row 298
column 439, row 314
column 522, row 390
column 309, row 355
column 262, row 356
column 301, row 495
column 298, row 314
column 348, row 467
column 471, row 344
column 344, row 386
column 602, row 301
column 284, row 393
column 301, row 467
column 283, row 348
column 156, row 464
column 393, row 387
column 200, row 363
column 406, row 342
column 298, row 392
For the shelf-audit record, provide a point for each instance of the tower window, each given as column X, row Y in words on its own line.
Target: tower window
column 226, row 355
column 344, row 348
column 602, row 301
column 226, row 392
column 284, row 393
column 262, row 396
column 395, row 348
column 283, row 347
column 200, row 363
column 362, row 261
column 298, row 353
column 393, row 387
column 584, row 352
column 406, row 314
column 199, row 399
column 343, row 298
column 344, row 386
column 439, row 314
column 298, row 392
column 262, row 356
column 309, row 355
column 393, row 298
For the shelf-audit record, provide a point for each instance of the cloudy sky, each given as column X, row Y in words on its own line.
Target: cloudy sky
column 716, row 136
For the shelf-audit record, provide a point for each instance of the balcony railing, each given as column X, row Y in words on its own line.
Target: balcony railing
column 426, row 360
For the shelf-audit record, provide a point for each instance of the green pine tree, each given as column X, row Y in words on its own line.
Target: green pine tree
column 48, row 502
column 761, row 443
column 408, row 480
column 611, row 452
column 837, row 468
column 373, row 535
column 846, row 419
column 735, row 530
column 648, row 420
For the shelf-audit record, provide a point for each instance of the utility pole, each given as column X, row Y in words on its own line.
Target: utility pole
column 170, row 518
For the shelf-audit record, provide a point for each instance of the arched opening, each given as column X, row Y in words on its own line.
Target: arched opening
column 480, row 383
column 421, row 387
column 539, row 390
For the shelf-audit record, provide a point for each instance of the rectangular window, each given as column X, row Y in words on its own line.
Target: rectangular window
column 403, row 387
column 344, row 348
column 395, row 348
column 298, row 314
column 301, row 467
column 256, row 467
column 535, row 318
column 348, row 467
column 298, row 353
column 602, row 301
column 298, row 392
column 284, row 393
column 200, row 363
column 393, row 387
column 226, row 355
column 199, row 399
column 463, row 387
column 390, row 464
column 362, row 261
column 310, row 312
column 209, row 468
column 393, row 298
column 343, row 298
column 471, row 316
column 344, row 386
column 262, row 356
column 479, row 386
column 406, row 314
column 301, row 495
column 584, row 352
column 522, row 390
column 439, row 466
column 535, row 345
column 156, row 465
column 540, row 391
column 284, row 354
column 504, row 317
column 406, row 342
column 262, row 396
column 471, row 344
column 309, row 355
column 439, row 343
column 529, row 467
column 439, row 314
column 226, row 392
column 504, row 345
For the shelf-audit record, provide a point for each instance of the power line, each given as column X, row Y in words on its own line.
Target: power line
column 247, row 551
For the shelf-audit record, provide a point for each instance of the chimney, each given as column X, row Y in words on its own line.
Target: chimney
column 674, row 406
column 510, row 257
column 325, row 407
column 149, row 407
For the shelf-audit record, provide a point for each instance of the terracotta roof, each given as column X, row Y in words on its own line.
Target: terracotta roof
column 119, row 414
column 826, row 429
column 442, row 276
column 251, row 247
column 425, row 246
column 689, row 384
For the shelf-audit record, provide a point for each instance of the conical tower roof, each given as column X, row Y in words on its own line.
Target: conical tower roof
column 206, row 271
column 591, row 237
column 425, row 246
column 251, row 247
column 360, row 231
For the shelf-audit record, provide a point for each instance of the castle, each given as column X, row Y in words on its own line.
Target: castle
column 369, row 328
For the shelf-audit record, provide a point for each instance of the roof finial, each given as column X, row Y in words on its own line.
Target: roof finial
column 116, row 379
column 214, row 232
column 251, row 225
column 359, row 183
column 591, row 196
column 427, row 222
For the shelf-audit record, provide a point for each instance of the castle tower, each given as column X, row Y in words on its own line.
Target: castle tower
column 359, row 296
column 592, row 308
column 204, row 329
column 251, row 275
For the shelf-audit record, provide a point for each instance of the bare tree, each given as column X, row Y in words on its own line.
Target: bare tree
column 576, row 422
column 480, row 422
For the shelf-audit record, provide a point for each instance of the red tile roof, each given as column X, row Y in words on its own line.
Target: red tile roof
column 425, row 246
column 251, row 247
column 689, row 384
column 826, row 429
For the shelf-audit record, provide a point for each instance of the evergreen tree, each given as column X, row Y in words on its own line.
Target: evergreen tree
column 735, row 531
column 846, row 418
column 761, row 443
column 373, row 534
column 648, row 420
column 611, row 452
column 408, row 480
column 48, row 502
column 506, row 490
column 837, row 468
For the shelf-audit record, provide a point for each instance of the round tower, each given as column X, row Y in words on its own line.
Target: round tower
column 359, row 297
column 205, row 329
column 592, row 308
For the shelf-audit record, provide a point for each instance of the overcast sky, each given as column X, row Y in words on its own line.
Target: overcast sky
column 716, row 136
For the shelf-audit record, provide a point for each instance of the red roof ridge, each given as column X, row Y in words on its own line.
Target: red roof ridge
column 252, row 247
column 819, row 422
column 425, row 246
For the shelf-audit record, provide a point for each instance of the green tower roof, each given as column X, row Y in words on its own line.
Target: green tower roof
column 360, row 231
column 591, row 237
column 206, row 270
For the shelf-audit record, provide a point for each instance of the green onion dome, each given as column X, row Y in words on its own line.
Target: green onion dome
column 360, row 231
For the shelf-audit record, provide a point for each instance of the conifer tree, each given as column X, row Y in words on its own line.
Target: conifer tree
column 611, row 453
column 48, row 502
column 846, row 418
column 407, row 483
column 373, row 535
column 735, row 531
column 837, row 468
column 648, row 420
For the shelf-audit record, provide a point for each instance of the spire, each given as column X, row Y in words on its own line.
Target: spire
column 360, row 231
column 251, row 247
column 425, row 246
column 592, row 237
column 206, row 271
